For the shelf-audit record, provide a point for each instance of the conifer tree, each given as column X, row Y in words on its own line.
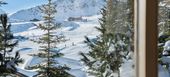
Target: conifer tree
column 164, row 33
column 163, row 25
column 7, row 44
column 108, row 52
column 49, row 67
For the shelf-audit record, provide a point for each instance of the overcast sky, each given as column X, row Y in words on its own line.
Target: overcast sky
column 15, row 5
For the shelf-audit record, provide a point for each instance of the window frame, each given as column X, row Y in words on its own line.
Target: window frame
column 146, row 36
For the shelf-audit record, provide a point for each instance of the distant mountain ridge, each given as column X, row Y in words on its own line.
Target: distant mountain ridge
column 65, row 9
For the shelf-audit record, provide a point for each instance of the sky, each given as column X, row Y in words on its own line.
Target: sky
column 16, row 5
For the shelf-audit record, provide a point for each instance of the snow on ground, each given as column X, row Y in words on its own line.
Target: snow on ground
column 74, row 32
column 29, row 73
column 126, row 69
column 162, row 71
column 21, row 27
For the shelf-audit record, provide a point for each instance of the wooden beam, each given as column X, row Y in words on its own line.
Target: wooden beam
column 151, row 38
column 146, row 38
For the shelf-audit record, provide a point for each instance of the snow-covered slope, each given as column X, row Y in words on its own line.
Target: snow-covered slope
column 74, row 32
column 21, row 27
column 65, row 9
column 27, row 14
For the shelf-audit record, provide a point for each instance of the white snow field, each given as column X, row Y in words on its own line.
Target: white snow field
column 74, row 31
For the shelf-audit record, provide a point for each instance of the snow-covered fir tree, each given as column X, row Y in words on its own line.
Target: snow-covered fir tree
column 164, row 35
column 108, row 52
column 7, row 44
column 49, row 67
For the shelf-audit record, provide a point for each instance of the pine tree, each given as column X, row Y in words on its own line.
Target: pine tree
column 7, row 44
column 164, row 33
column 108, row 51
column 49, row 67
column 163, row 26
column 130, row 24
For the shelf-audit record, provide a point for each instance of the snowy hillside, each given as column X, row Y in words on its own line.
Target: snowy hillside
column 65, row 9
column 74, row 32
column 27, row 14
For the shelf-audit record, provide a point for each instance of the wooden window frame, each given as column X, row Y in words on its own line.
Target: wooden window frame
column 146, row 33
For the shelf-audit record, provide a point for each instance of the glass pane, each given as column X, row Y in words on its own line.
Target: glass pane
column 67, row 38
column 164, row 38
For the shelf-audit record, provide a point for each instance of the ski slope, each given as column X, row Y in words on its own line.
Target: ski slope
column 75, row 34
column 74, row 31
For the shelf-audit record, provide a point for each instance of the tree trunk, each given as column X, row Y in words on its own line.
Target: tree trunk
column 118, row 72
column 48, row 58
